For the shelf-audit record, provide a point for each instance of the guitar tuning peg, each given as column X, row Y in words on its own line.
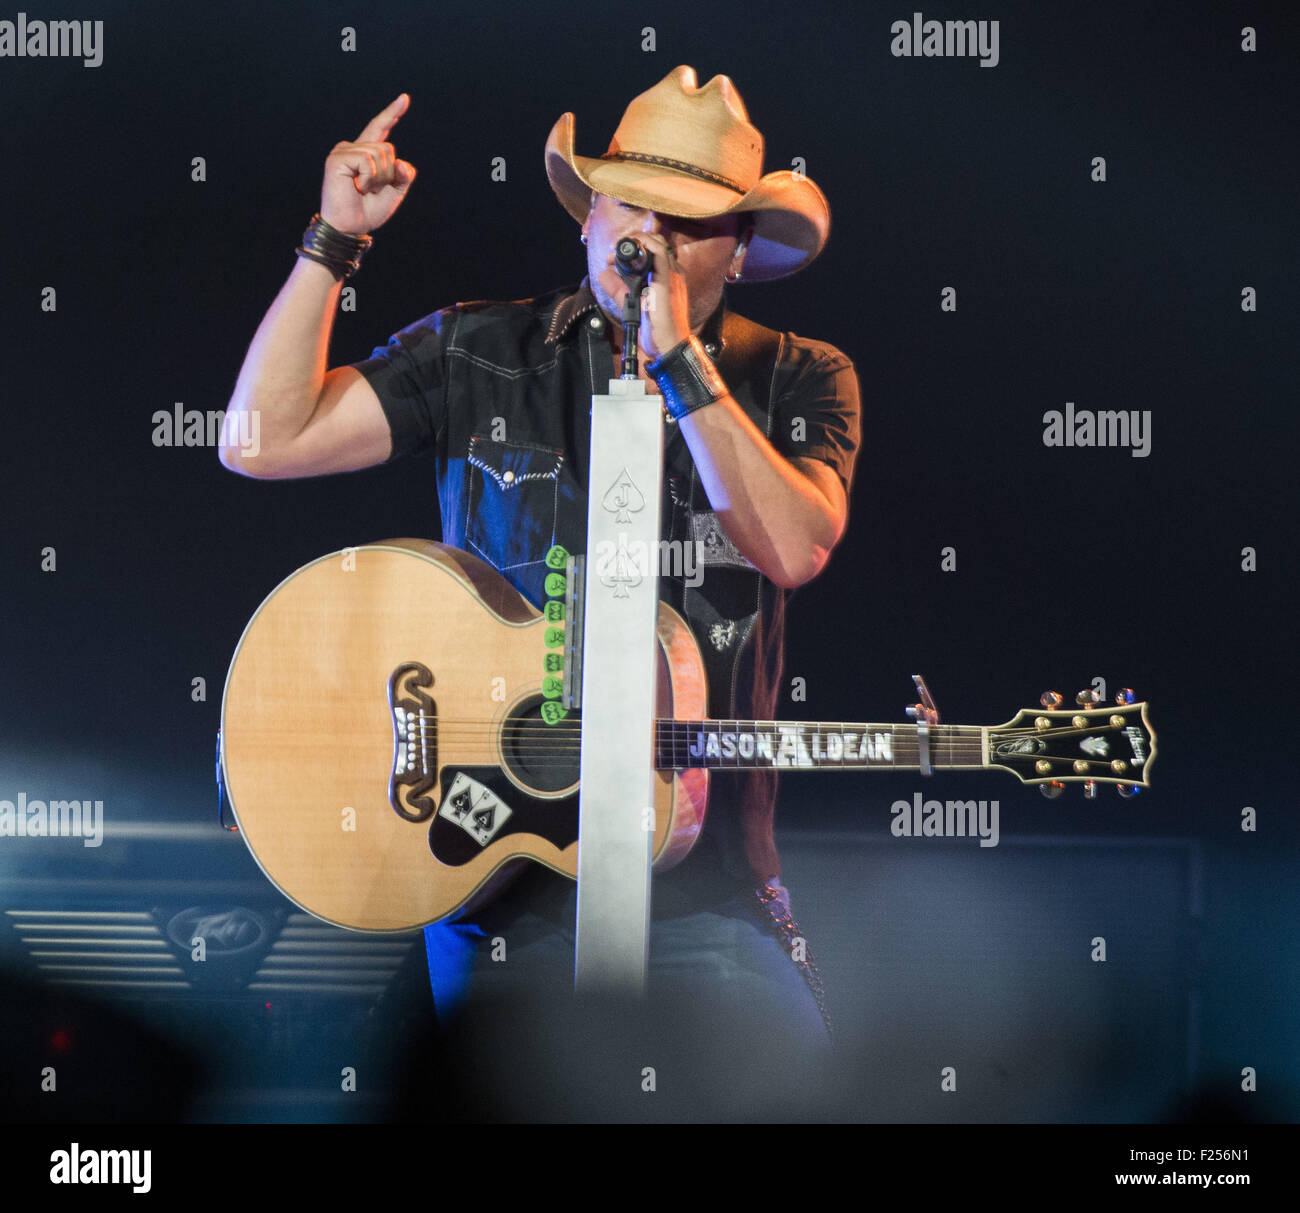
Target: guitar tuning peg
column 1128, row 790
column 1085, row 699
column 1090, row 789
column 1125, row 695
column 1050, row 699
column 1052, row 789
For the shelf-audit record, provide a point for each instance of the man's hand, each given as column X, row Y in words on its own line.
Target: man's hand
column 364, row 181
column 665, row 302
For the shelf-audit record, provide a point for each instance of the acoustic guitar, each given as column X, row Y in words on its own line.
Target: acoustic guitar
column 395, row 747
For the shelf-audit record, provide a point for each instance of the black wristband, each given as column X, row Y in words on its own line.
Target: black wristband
column 687, row 379
column 337, row 251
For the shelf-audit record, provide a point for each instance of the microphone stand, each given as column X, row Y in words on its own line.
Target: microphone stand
column 620, row 609
column 631, row 322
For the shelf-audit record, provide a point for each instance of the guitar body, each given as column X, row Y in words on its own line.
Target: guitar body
column 382, row 743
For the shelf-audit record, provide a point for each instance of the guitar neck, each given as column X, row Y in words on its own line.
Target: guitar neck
column 819, row 745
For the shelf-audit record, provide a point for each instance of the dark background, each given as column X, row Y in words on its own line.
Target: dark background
column 1072, row 564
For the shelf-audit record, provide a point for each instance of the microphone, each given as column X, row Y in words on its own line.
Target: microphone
column 632, row 263
column 630, row 258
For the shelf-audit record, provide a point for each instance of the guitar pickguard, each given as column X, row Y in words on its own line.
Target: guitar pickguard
column 479, row 805
column 478, row 810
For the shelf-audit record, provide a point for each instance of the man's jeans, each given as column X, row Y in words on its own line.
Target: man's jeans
column 729, row 1025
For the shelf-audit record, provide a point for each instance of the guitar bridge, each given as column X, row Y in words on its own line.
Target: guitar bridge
column 415, row 742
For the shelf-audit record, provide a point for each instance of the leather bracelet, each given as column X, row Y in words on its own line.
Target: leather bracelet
column 337, row 251
column 687, row 379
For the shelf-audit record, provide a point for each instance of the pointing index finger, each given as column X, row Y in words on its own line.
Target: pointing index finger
column 378, row 128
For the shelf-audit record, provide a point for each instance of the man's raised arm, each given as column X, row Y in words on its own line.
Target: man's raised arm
column 311, row 421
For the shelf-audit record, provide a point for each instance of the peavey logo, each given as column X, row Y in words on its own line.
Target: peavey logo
column 77, row 1166
column 23, row 39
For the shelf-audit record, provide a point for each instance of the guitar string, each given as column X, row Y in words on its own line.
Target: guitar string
column 537, row 738
column 953, row 752
column 807, row 726
column 566, row 734
column 533, row 745
column 780, row 732
column 535, row 742
column 559, row 744
column 541, row 744
column 566, row 737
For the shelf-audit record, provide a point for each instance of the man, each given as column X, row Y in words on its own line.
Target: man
column 761, row 438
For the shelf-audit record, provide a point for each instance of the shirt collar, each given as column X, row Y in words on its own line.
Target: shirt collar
column 582, row 302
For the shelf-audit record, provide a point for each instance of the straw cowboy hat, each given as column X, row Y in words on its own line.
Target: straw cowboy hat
column 692, row 152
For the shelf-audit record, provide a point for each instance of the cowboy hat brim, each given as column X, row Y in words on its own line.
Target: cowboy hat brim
column 791, row 216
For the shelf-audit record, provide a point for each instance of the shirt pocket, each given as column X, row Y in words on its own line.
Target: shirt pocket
column 512, row 501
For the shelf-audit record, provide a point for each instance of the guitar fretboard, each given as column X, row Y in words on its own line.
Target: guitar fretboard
column 792, row 744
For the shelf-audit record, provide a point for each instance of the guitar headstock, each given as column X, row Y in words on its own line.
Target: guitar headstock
column 1093, row 746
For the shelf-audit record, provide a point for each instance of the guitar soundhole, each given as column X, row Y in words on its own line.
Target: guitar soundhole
column 541, row 756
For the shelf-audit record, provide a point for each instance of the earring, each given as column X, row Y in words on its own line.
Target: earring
column 583, row 237
column 733, row 276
